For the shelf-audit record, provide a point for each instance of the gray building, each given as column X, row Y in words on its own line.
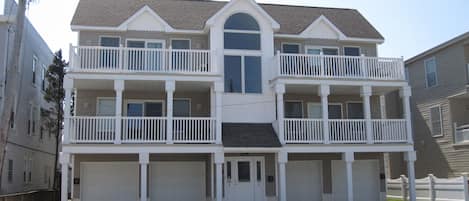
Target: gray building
column 440, row 109
column 30, row 155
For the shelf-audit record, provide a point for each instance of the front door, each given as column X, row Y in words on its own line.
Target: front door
column 244, row 179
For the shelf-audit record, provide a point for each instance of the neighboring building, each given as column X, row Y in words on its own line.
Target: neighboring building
column 209, row 100
column 440, row 108
column 30, row 150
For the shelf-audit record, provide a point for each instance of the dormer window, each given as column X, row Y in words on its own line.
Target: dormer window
column 242, row 32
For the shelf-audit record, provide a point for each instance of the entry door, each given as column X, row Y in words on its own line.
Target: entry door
column 244, row 179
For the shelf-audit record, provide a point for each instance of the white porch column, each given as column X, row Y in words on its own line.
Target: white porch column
column 65, row 162
column 282, row 159
column 68, row 87
column 118, row 88
column 366, row 94
column 170, row 86
column 405, row 94
column 144, row 159
column 324, row 91
column 218, row 89
column 219, row 160
column 410, row 157
column 348, row 157
column 280, row 90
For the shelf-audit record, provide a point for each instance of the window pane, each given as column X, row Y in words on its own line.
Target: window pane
column 135, row 109
column 154, row 45
column 233, row 74
column 293, row 110
column 313, row 51
column 180, row 44
column 136, row 44
column 243, row 41
column 258, row 171
column 228, row 170
column 351, row 51
column 330, row 51
column 335, row 111
column 435, row 114
column 181, row 108
column 244, row 171
column 291, row 48
column 355, row 111
column 106, row 107
column 252, row 74
column 314, row 111
column 153, row 109
column 110, row 41
column 431, row 73
column 242, row 21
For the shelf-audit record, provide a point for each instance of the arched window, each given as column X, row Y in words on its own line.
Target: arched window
column 242, row 32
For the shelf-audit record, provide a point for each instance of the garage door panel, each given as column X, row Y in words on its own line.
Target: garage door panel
column 109, row 181
column 177, row 181
column 365, row 180
column 304, row 180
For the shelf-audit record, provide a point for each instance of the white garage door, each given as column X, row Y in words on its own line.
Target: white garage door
column 177, row 181
column 304, row 181
column 109, row 181
column 365, row 180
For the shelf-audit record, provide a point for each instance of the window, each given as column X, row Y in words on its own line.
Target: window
column 244, row 171
column 430, row 72
column 43, row 78
column 182, row 108
column 109, row 58
column 27, row 174
column 243, row 74
column 145, row 109
column 242, row 32
column 35, row 60
column 180, row 44
column 351, row 51
column 323, row 50
column 436, row 121
column 106, row 107
column 109, row 41
column 293, row 109
column 32, row 120
column 12, row 119
column 10, row 171
column 335, row 111
column 355, row 111
column 315, row 110
column 290, row 48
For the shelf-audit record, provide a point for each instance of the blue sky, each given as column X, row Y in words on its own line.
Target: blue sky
column 409, row 26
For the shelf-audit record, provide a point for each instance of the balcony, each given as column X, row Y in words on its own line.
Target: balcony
column 339, row 67
column 188, row 130
column 134, row 60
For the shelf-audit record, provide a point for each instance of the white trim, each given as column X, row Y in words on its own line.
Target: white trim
column 426, row 73
column 140, row 148
column 336, row 82
column 124, row 25
column 328, row 22
column 79, row 28
column 431, row 121
column 211, row 21
column 342, row 148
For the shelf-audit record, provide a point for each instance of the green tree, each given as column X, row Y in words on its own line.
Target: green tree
column 55, row 95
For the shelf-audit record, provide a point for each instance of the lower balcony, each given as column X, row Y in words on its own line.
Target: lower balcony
column 85, row 129
column 344, row 131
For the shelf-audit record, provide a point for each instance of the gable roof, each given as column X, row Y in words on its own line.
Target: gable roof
column 193, row 14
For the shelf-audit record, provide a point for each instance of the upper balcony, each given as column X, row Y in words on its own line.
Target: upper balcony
column 339, row 67
column 140, row 60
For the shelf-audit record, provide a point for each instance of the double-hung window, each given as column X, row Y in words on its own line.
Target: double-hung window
column 436, row 121
column 35, row 63
column 242, row 71
column 431, row 72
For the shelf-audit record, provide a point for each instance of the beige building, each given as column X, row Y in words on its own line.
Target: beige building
column 440, row 108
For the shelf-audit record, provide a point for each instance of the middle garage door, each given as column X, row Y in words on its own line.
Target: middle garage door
column 177, row 181
column 304, row 180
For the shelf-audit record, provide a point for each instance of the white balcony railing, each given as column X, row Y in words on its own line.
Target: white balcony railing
column 193, row 130
column 143, row 129
column 124, row 59
column 92, row 129
column 344, row 131
column 85, row 129
column 342, row 67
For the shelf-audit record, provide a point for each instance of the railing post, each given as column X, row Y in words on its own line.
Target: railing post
column 68, row 87
column 366, row 94
column 363, row 66
column 170, row 59
column 121, row 57
column 431, row 187
column 280, row 91
column 170, row 86
column 279, row 64
column 324, row 91
column 322, row 70
column 405, row 93
column 118, row 88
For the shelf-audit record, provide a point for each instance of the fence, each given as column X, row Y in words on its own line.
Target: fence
column 430, row 188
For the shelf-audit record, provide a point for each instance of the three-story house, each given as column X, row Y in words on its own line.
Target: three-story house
column 206, row 100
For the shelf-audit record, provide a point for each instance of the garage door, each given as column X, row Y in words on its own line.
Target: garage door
column 177, row 181
column 304, row 181
column 109, row 181
column 365, row 180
